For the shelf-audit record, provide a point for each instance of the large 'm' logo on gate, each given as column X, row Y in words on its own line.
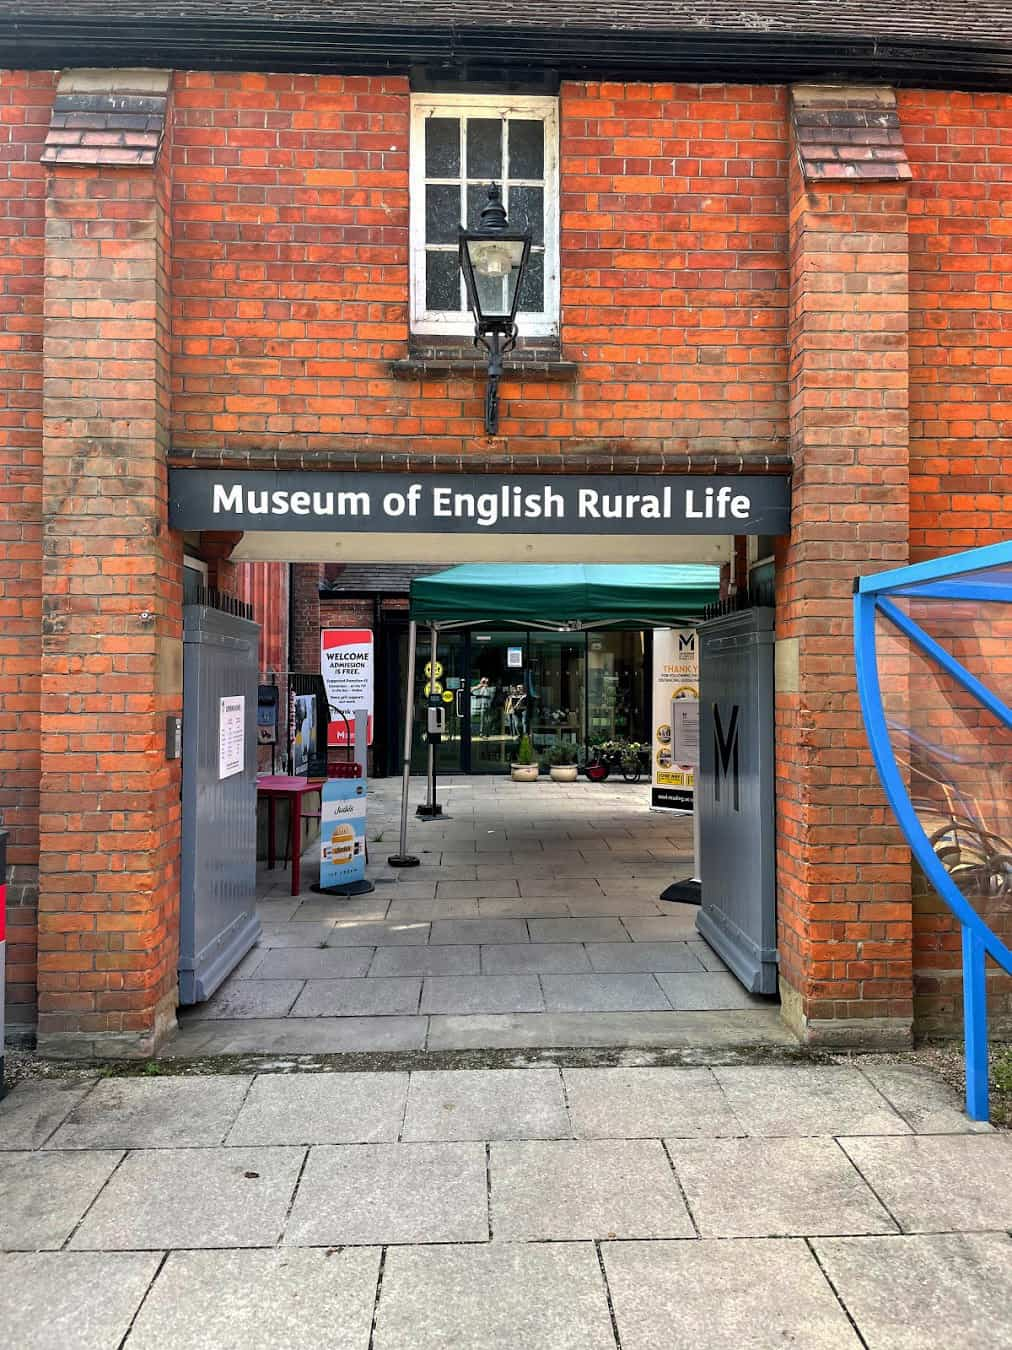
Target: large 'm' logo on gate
column 725, row 754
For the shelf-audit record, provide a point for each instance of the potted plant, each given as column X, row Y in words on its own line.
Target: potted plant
column 561, row 757
column 524, row 769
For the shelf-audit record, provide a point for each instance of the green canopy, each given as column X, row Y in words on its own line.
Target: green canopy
column 563, row 596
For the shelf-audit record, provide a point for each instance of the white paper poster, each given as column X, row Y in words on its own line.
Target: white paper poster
column 231, row 736
column 675, row 748
column 346, row 664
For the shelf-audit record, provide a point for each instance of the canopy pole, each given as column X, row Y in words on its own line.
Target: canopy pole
column 403, row 858
column 431, row 808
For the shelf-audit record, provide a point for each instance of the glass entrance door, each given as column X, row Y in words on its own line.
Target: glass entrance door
column 499, row 699
column 448, row 682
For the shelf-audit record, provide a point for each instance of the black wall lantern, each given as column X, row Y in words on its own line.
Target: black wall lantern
column 493, row 259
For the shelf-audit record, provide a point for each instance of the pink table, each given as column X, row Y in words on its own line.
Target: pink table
column 271, row 787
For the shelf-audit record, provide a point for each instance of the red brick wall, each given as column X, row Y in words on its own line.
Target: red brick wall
column 306, row 617
column 960, row 150
column 25, row 99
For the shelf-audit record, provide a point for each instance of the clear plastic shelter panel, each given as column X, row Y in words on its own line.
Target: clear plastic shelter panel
column 953, row 752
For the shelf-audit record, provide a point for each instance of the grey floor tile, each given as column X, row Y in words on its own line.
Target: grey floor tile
column 84, row 1300
column 250, row 998
column 663, row 927
column 502, row 1296
column 424, row 911
column 295, row 934
column 938, row 1183
column 706, row 990
column 561, row 888
column 615, row 906
column 277, row 911
column 706, row 956
column 911, row 1292
column 647, row 1103
column 800, row 1099
column 926, row 1103
column 209, row 1197
column 373, row 1194
column 377, row 997
column 458, row 932
column 535, row 958
column 724, row 1296
column 523, row 909
column 602, row 993
column 577, row 930
column 481, row 994
column 352, row 933
column 33, row 1109
column 324, row 1108
column 486, row 1104
column 296, row 1036
column 154, row 1113
column 617, row 958
column 775, row 1188
column 412, row 890
column 699, row 1031
column 340, row 911
column 260, row 1300
column 315, row 963
column 426, row 961
column 573, row 1189
column 43, row 1196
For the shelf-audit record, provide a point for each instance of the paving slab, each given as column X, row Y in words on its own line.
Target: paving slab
column 706, row 956
column 372, row 1194
column 33, row 1109
column 925, row 1101
column 615, row 958
column 154, row 1113
column 189, row 1197
column 375, row 997
column 506, row 1296
column 426, row 961
column 84, row 1300
column 603, row 993
column 315, row 963
column 481, row 994
column 523, row 909
column 260, row 1300
column 647, row 1103
column 705, row 1031
column 476, row 890
column 43, row 1196
column 775, row 1188
column 724, row 1296
column 337, row 910
column 325, row 1108
column 707, row 990
column 940, row 1183
column 577, row 930
column 251, row 998
column 802, row 1099
column 535, row 958
column 567, row 1190
column 935, row 1290
column 424, row 911
column 458, row 932
column 352, row 933
column 295, row 1036
column 663, row 927
column 486, row 1104
column 295, row 934
column 618, row 906
column 277, row 911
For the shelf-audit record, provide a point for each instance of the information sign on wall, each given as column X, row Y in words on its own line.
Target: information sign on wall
column 231, row 736
column 675, row 749
column 346, row 661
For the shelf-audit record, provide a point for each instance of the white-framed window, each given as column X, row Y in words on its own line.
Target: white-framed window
column 460, row 143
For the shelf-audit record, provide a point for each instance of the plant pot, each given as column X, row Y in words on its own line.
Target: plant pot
column 524, row 773
column 563, row 773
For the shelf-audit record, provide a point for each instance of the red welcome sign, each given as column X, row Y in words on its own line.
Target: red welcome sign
column 346, row 662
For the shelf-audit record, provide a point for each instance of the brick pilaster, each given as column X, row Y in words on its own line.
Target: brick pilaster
column 844, row 874
column 305, row 636
column 112, row 652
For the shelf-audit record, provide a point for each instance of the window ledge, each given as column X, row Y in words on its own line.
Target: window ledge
column 462, row 357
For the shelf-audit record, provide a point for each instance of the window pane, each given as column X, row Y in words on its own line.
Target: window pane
column 477, row 200
column 442, row 281
column 527, row 211
column 442, row 147
column 442, row 214
column 527, row 149
column 532, row 291
column 484, row 148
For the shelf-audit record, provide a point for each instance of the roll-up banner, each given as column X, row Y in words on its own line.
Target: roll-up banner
column 676, row 718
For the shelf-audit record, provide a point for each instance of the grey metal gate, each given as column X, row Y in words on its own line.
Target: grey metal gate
column 217, row 912
column 735, row 795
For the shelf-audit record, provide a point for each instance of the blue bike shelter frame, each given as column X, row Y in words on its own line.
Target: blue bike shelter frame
column 983, row 575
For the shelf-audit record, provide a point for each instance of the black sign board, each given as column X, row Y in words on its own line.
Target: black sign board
column 205, row 499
